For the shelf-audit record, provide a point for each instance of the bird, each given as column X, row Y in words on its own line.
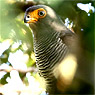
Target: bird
column 54, row 47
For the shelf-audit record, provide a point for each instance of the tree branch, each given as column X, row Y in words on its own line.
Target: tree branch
column 31, row 69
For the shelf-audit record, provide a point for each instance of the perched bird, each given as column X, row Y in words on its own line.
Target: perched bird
column 54, row 47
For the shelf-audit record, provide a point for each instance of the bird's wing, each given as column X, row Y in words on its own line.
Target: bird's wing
column 69, row 38
column 66, row 69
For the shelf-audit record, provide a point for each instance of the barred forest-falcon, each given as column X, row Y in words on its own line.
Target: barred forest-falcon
column 54, row 46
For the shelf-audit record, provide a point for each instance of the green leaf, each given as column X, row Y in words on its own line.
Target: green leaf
column 3, row 79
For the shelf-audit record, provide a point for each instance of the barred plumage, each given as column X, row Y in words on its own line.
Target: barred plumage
column 51, row 40
column 49, row 52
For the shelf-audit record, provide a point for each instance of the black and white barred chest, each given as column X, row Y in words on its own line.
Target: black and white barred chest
column 49, row 51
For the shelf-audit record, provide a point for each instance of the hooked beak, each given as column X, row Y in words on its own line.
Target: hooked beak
column 30, row 20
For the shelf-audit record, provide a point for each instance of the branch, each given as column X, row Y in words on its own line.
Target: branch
column 31, row 69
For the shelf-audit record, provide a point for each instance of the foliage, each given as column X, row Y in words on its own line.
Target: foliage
column 16, row 39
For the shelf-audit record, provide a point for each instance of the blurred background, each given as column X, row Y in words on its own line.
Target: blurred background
column 18, row 71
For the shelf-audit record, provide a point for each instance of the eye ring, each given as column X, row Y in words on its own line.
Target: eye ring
column 41, row 13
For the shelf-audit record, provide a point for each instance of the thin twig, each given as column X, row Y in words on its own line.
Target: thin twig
column 31, row 69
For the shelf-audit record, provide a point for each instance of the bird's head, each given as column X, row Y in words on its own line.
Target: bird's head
column 42, row 20
column 38, row 13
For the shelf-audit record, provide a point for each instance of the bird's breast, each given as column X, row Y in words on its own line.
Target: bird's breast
column 49, row 51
